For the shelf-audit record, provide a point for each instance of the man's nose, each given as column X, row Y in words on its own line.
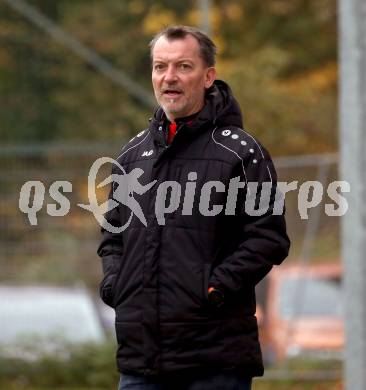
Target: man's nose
column 170, row 75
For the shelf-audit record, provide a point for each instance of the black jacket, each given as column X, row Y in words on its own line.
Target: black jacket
column 156, row 276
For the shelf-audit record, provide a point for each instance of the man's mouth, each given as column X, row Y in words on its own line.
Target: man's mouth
column 172, row 93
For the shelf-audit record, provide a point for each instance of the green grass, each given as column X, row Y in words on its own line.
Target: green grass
column 297, row 385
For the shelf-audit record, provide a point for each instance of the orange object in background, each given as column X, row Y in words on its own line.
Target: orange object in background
column 303, row 312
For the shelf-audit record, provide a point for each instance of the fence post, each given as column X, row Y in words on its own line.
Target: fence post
column 352, row 138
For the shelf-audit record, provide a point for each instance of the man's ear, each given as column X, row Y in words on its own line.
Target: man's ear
column 210, row 77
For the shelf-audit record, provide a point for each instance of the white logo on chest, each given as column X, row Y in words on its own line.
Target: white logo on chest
column 147, row 153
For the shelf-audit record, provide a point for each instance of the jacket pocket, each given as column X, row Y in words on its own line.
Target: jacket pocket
column 106, row 289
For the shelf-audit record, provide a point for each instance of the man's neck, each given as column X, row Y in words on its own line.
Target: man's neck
column 187, row 118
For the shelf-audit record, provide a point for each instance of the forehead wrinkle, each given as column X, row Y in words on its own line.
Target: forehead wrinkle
column 184, row 59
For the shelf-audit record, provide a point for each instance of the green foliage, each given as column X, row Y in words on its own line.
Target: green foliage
column 278, row 55
column 280, row 58
column 89, row 365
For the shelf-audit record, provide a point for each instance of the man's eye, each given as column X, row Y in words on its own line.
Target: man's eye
column 158, row 66
column 185, row 66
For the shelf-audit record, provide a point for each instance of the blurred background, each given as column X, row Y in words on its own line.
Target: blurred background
column 74, row 86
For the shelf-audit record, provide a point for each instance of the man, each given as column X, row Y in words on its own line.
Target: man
column 183, row 283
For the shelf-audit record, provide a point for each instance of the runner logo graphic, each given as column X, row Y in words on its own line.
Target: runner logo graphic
column 123, row 193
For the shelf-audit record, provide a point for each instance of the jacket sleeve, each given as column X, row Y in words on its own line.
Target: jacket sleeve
column 111, row 251
column 263, row 240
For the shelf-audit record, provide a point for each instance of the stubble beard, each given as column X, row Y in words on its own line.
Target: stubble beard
column 171, row 107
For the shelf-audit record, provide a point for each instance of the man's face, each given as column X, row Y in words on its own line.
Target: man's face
column 180, row 76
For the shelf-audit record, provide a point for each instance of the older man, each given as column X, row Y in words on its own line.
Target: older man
column 182, row 280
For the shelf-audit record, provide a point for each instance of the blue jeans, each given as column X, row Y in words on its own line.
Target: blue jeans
column 223, row 381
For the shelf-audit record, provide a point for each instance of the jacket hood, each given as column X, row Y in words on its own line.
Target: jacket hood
column 221, row 108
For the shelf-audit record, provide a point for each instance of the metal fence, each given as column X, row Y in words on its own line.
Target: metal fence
column 58, row 249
